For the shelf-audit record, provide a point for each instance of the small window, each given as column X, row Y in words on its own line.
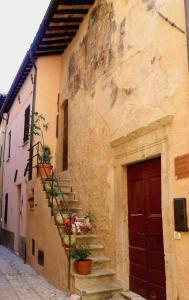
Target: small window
column 26, row 124
column 41, row 258
column 6, row 208
column 9, row 145
column 57, row 124
column 33, row 247
column 15, row 175
column 65, row 137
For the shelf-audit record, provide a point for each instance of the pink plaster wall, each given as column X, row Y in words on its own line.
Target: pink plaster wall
column 17, row 161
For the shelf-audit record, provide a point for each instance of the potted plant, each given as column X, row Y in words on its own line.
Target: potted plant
column 54, row 192
column 69, row 232
column 80, row 254
column 39, row 126
column 44, row 167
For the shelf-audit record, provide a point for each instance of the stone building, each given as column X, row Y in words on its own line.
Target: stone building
column 2, row 139
column 112, row 81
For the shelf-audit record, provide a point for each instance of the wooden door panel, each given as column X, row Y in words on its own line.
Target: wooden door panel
column 154, row 193
column 146, row 251
column 155, row 260
column 154, row 243
column 138, row 255
column 139, row 286
column 139, row 271
column 156, row 292
column 156, row 277
column 137, row 239
column 154, row 225
column 137, row 190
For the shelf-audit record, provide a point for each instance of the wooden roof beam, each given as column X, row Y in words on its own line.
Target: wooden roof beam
column 60, row 41
column 48, row 53
column 76, row 2
column 55, row 48
column 66, row 20
column 59, row 34
column 66, row 27
column 71, row 11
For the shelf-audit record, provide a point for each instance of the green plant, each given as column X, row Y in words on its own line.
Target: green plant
column 88, row 216
column 80, row 253
column 54, row 192
column 38, row 128
column 46, row 156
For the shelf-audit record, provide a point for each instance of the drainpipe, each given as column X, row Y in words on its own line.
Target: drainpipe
column 32, row 116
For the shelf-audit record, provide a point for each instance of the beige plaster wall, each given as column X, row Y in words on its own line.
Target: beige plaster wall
column 125, row 69
column 47, row 90
column 42, row 229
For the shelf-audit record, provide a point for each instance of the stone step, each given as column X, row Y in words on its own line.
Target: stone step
column 96, row 247
column 96, row 273
column 131, row 296
column 97, row 276
column 64, row 188
column 96, row 250
column 99, row 261
column 66, row 182
column 69, row 196
column 75, row 208
column 99, row 292
column 85, row 236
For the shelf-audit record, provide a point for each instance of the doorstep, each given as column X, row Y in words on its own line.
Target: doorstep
column 132, row 296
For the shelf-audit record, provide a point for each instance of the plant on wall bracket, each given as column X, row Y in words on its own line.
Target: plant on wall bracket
column 38, row 128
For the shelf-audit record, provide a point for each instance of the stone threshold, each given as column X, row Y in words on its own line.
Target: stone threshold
column 132, row 296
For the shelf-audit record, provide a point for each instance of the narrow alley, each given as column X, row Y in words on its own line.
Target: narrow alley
column 19, row 281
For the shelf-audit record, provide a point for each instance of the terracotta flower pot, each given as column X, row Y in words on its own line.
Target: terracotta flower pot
column 83, row 267
column 44, row 170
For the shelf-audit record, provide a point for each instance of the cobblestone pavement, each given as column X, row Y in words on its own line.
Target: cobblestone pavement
column 19, row 281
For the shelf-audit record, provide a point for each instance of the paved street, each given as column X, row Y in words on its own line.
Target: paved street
column 19, row 281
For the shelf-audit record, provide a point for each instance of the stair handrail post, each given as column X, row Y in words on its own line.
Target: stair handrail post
column 69, row 255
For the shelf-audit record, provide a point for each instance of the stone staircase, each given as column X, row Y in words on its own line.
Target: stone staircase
column 101, row 283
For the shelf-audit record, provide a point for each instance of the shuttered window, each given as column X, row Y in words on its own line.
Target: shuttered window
column 26, row 124
column 6, row 208
column 9, row 145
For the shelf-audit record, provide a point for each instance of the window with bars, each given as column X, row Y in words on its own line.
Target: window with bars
column 65, row 136
column 26, row 124
column 9, row 145
column 6, row 208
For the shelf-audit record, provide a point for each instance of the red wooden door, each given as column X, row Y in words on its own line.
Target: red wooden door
column 146, row 253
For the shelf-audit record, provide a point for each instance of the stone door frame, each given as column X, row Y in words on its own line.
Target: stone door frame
column 143, row 144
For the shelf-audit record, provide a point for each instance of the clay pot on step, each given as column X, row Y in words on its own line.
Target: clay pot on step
column 83, row 267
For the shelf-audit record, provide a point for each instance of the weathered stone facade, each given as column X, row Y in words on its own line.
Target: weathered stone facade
column 121, row 74
column 125, row 76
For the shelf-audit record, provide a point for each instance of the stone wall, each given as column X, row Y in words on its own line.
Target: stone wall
column 125, row 69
